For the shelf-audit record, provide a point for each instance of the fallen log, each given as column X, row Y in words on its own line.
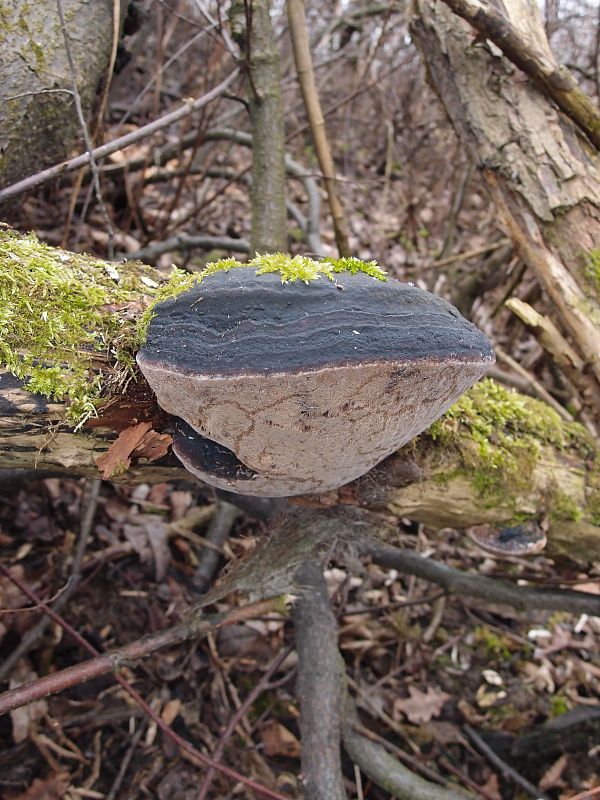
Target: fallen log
column 496, row 457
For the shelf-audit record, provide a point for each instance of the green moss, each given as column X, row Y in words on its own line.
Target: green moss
column 493, row 644
column 64, row 321
column 500, row 434
column 593, row 506
column 559, row 705
column 592, row 268
column 564, row 507
column 291, row 269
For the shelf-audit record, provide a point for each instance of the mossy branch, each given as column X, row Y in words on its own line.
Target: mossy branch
column 70, row 326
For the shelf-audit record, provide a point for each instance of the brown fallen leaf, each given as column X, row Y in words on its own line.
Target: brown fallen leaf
column 278, row 741
column 552, row 778
column 51, row 788
column 153, row 445
column 26, row 717
column 117, row 457
column 420, row 706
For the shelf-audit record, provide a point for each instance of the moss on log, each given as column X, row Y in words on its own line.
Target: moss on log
column 495, row 457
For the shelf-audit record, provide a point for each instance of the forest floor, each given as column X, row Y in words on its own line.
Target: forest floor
column 430, row 674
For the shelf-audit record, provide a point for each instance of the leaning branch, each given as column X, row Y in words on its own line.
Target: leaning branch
column 117, row 144
column 306, row 77
column 455, row 581
column 195, row 627
column 556, row 81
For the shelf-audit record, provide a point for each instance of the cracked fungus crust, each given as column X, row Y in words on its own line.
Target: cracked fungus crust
column 288, row 389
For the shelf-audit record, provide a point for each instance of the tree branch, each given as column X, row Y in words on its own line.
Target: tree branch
column 556, row 81
column 320, row 686
column 456, row 582
column 387, row 771
column 104, row 150
column 196, row 626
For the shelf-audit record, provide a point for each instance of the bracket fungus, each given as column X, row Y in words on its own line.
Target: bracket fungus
column 284, row 387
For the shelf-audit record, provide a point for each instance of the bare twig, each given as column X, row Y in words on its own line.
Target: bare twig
column 196, row 626
column 479, row 251
column 140, row 96
column 306, row 77
column 227, row 40
column 217, row 533
column 185, row 241
column 320, row 687
column 34, row 634
column 561, row 352
column 29, row 690
column 253, row 695
column 503, row 767
column 311, row 224
column 120, row 776
column 535, row 387
column 554, row 80
column 457, row 203
column 401, row 755
column 117, row 144
column 455, row 581
column 387, row 771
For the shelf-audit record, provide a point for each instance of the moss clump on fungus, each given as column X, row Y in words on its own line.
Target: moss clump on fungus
column 291, row 269
column 500, row 433
column 63, row 320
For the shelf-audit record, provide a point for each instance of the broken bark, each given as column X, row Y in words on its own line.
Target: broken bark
column 542, row 174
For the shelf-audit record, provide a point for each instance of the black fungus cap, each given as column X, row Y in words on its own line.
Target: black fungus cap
column 238, row 322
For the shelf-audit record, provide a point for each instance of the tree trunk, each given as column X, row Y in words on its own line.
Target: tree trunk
column 542, row 174
column 253, row 31
column 38, row 123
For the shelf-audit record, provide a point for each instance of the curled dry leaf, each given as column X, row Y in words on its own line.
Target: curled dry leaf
column 421, row 706
column 138, row 441
column 118, row 456
column 279, row 741
column 153, row 445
